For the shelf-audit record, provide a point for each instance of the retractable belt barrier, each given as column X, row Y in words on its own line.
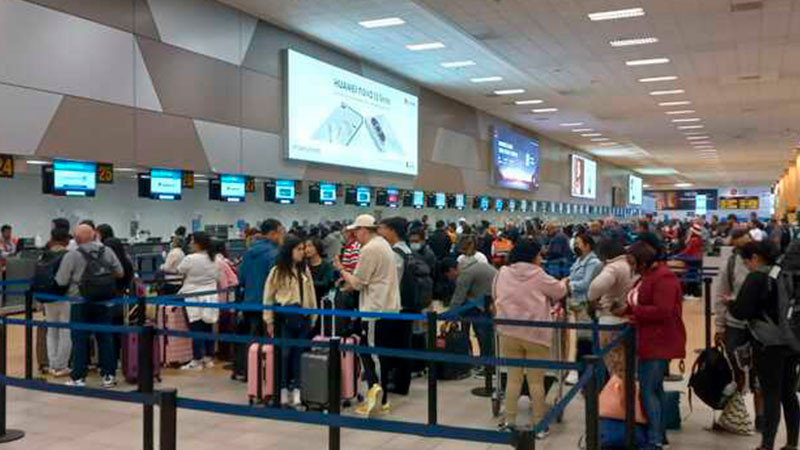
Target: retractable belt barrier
column 168, row 400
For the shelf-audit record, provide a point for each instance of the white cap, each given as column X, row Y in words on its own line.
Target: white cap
column 757, row 234
column 363, row 221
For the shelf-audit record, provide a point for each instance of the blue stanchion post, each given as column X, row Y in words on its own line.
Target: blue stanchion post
column 28, row 335
column 145, row 373
column 592, row 403
column 432, row 370
column 630, row 389
column 334, row 392
column 168, row 419
column 6, row 435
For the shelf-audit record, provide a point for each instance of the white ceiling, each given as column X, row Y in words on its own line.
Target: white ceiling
column 550, row 49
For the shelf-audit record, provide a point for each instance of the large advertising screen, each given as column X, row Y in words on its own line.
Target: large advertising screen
column 634, row 190
column 515, row 160
column 74, row 178
column 685, row 200
column 584, row 177
column 340, row 118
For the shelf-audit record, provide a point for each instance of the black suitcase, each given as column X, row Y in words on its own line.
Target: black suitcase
column 453, row 339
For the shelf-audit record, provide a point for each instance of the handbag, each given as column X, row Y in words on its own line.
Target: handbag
column 612, row 401
column 735, row 418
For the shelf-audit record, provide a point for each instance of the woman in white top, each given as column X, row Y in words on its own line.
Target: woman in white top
column 172, row 280
column 201, row 274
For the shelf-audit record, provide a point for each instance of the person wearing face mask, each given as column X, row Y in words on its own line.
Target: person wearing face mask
column 416, row 241
column 583, row 271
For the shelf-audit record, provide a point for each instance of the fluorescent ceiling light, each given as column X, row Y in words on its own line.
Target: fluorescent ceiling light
column 528, row 102
column 609, row 144
column 633, row 41
column 702, row 143
column 681, row 111
column 457, row 64
column 656, row 171
column 572, row 124
column 657, row 79
column 37, row 162
column 124, row 169
column 509, row 91
column 628, row 153
column 678, row 103
column 544, row 110
column 706, row 147
column 686, row 120
column 425, row 46
column 582, row 130
column 616, row 14
column 599, row 140
column 669, row 92
column 379, row 23
column 690, row 127
column 646, row 186
column 592, row 134
column 646, row 62
column 485, row 79
column 693, row 133
column 683, row 185
column 693, row 138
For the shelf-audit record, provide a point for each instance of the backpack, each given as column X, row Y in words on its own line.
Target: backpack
column 731, row 268
column 787, row 330
column 416, row 286
column 44, row 274
column 711, row 376
column 97, row 282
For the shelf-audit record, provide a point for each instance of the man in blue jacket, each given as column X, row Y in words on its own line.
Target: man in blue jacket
column 255, row 267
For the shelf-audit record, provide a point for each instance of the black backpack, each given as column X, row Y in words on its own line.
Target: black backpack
column 416, row 287
column 97, row 282
column 44, row 274
column 787, row 330
column 711, row 374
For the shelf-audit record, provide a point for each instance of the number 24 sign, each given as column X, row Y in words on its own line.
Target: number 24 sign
column 6, row 166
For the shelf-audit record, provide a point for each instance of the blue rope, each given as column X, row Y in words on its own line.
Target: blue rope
column 103, row 394
column 562, row 405
column 73, row 326
column 14, row 283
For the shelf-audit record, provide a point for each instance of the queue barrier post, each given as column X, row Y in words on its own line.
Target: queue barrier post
column 6, row 435
column 433, row 375
column 168, row 419
column 277, row 361
column 707, row 297
column 28, row 335
column 592, row 403
column 146, row 370
column 630, row 389
column 334, row 392
column 524, row 440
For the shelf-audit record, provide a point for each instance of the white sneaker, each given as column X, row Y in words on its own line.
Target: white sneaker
column 208, row 363
column 572, row 378
column 542, row 435
column 192, row 365
column 296, row 401
column 284, row 396
column 109, row 381
column 76, row 383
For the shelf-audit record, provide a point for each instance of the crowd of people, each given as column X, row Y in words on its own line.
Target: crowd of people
column 601, row 271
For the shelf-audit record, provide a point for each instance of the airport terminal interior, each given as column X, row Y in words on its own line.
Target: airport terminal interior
column 589, row 209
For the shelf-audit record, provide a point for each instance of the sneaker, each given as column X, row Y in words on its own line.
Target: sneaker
column 296, row 401
column 386, row 408
column 368, row 407
column 208, row 363
column 109, row 381
column 60, row 373
column 572, row 378
column 192, row 365
column 284, row 396
column 542, row 435
column 665, row 443
column 81, row 382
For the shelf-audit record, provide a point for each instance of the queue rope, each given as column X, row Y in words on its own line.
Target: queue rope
column 80, row 391
column 559, row 407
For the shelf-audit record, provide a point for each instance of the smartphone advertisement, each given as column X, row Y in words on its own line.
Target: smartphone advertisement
column 340, row 118
column 634, row 190
column 584, row 177
column 516, row 160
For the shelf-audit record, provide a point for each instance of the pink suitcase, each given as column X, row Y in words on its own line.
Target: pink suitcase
column 260, row 372
column 176, row 350
column 130, row 358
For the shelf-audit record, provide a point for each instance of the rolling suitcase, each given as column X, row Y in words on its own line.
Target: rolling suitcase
column 41, row 350
column 130, row 358
column 176, row 350
column 260, row 372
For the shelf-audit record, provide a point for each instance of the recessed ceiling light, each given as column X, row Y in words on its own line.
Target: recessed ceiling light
column 616, row 14
column 457, row 64
column 646, row 62
column 683, row 185
column 681, row 111
column 544, row 110
column 690, row 127
column 124, row 169
column 485, row 79
column 509, row 91
column 582, row 130
column 657, row 79
column 686, row 120
column 37, row 162
column 633, row 41
column 656, row 171
column 572, row 124
column 528, row 102
column 678, row 103
column 669, row 92
column 379, row 23
column 692, row 138
column 425, row 46
column 599, row 140
column 592, row 134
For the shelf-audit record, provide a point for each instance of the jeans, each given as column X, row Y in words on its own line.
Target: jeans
column 293, row 326
column 777, row 372
column 651, row 381
column 484, row 331
column 201, row 347
column 88, row 313
column 59, row 341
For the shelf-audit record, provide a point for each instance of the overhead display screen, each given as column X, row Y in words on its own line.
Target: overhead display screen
column 165, row 184
column 440, row 200
column 685, row 200
column 74, row 178
column 634, row 190
column 515, row 160
column 460, row 201
column 418, row 200
column 340, row 118
column 739, row 202
column 327, row 193
column 584, row 177
column 232, row 188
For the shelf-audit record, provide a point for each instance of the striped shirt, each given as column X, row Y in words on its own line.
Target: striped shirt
column 351, row 253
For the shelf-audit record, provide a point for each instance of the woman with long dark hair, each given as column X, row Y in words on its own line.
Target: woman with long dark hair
column 321, row 269
column 201, row 274
column 290, row 284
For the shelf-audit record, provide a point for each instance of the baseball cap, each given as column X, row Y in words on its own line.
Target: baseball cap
column 363, row 221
